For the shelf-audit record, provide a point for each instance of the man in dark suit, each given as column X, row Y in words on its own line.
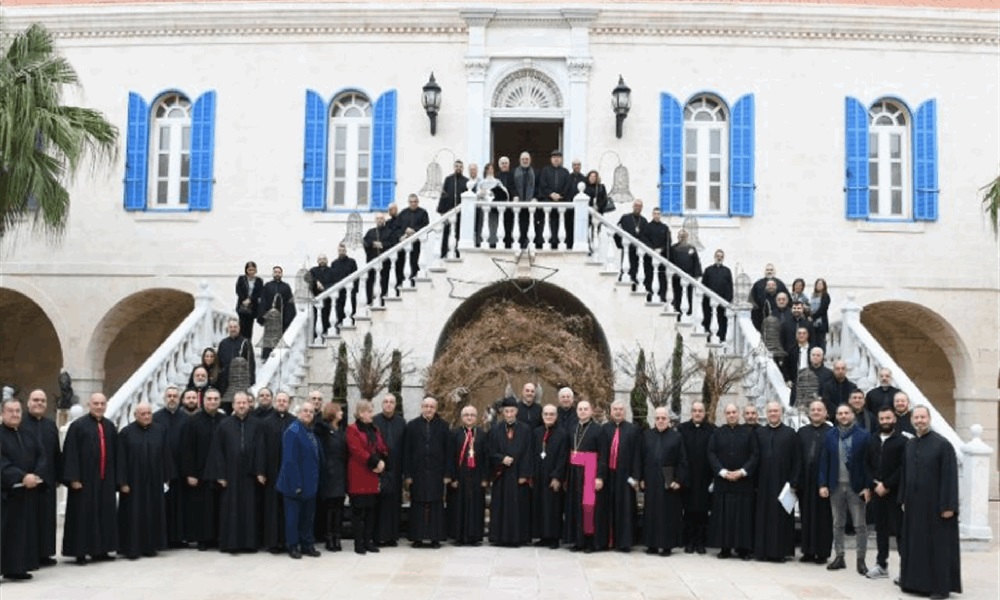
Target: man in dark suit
column 885, row 454
column 553, row 186
column 633, row 224
column 451, row 196
column 718, row 278
column 410, row 220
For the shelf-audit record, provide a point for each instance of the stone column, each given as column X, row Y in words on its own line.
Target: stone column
column 575, row 130
column 476, row 122
column 974, row 490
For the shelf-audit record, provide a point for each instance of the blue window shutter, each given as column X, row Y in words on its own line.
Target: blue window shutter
column 202, row 153
column 384, row 151
column 671, row 155
column 856, row 147
column 314, row 156
column 925, row 168
column 741, row 163
column 136, row 152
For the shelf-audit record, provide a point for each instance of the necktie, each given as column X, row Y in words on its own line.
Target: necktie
column 104, row 448
column 613, row 460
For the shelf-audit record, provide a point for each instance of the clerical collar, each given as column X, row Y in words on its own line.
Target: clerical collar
column 774, row 426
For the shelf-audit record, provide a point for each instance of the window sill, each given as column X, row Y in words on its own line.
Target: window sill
column 166, row 216
column 892, row 226
column 707, row 221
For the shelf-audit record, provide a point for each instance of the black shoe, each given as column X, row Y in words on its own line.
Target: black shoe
column 725, row 553
column 202, row 547
column 699, row 549
column 276, row 550
column 294, row 553
column 435, row 545
column 389, row 544
column 540, row 543
column 862, row 567
column 808, row 558
column 932, row 596
column 745, row 556
column 836, row 564
column 576, row 548
column 374, row 548
column 554, row 545
column 689, row 549
column 102, row 558
column 666, row 552
column 81, row 560
column 18, row 576
column 312, row 551
column 418, row 544
column 336, row 545
column 329, row 546
column 588, row 550
column 359, row 548
column 821, row 560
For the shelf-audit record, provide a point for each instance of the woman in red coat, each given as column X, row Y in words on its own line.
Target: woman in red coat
column 366, row 455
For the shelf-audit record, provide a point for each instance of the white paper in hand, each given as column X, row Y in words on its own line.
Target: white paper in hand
column 788, row 498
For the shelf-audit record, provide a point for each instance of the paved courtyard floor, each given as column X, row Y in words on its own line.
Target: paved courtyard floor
column 477, row 574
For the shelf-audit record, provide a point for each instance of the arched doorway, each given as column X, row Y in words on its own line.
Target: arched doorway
column 517, row 331
column 132, row 330
column 30, row 352
column 924, row 345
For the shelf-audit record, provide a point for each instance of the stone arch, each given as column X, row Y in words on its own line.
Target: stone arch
column 527, row 88
column 924, row 345
column 132, row 329
column 509, row 352
column 30, row 349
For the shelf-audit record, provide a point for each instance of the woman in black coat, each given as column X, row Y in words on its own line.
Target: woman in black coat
column 249, row 287
column 332, row 477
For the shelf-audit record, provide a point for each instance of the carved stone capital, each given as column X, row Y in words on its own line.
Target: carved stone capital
column 579, row 68
column 475, row 68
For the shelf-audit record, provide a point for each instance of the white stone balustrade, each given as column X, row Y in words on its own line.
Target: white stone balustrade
column 974, row 488
column 513, row 225
column 285, row 367
column 172, row 361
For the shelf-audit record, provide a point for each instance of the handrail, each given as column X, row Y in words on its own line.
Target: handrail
column 420, row 236
column 168, row 363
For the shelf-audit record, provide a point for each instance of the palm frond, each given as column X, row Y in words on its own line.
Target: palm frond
column 991, row 203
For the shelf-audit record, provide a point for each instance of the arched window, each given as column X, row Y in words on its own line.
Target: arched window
column 888, row 160
column 350, row 150
column 706, row 141
column 170, row 151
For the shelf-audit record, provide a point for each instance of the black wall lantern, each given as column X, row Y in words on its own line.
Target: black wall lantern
column 431, row 99
column 621, row 102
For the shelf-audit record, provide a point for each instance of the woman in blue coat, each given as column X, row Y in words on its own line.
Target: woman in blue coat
column 298, row 482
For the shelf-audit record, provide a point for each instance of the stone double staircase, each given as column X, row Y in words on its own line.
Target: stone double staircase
column 591, row 268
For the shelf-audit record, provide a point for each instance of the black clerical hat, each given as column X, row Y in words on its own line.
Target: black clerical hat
column 508, row 401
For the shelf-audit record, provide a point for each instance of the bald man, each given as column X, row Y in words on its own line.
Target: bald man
column 90, row 468
column 145, row 465
column 47, row 432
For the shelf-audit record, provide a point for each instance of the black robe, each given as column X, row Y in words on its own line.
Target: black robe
column 237, row 456
column 510, row 502
column 567, row 419
column 695, row 494
column 550, row 456
column 390, row 483
column 662, row 518
column 425, row 448
column 732, row 449
column 585, row 438
column 145, row 463
column 931, row 559
column 270, row 502
column 530, row 415
column 878, row 398
column 779, row 463
column 91, row 524
column 47, row 433
column 816, row 517
column 466, row 493
column 619, row 494
column 20, row 454
column 200, row 503
column 174, row 423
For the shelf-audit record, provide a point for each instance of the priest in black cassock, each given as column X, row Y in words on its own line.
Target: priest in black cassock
column 425, row 448
column 586, row 522
column 145, row 464
column 390, row 425
column 567, row 410
column 47, row 432
column 174, row 420
column 551, row 452
column 931, row 559
column 696, row 433
column 467, row 469
column 779, row 464
column 236, row 463
column 529, row 411
column 271, row 503
column 200, row 495
column 22, row 459
column 664, row 474
column 511, row 468
column 816, row 517
column 90, row 460
column 624, row 472
column 732, row 452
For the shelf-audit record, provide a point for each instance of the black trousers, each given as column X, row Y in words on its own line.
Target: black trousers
column 363, row 523
column 633, row 264
column 383, row 277
column 342, row 303
column 661, row 275
column 447, row 234
column 677, row 295
column 720, row 315
column 246, row 326
column 888, row 521
column 332, row 518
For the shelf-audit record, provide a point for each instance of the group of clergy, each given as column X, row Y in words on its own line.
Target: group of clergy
column 190, row 475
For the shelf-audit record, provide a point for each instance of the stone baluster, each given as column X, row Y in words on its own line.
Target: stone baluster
column 560, row 212
column 530, row 231
column 467, row 230
column 316, row 324
column 451, row 242
column 501, row 229
column 581, row 221
column 848, row 342
column 546, row 226
column 696, row 316
column 713, row 327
